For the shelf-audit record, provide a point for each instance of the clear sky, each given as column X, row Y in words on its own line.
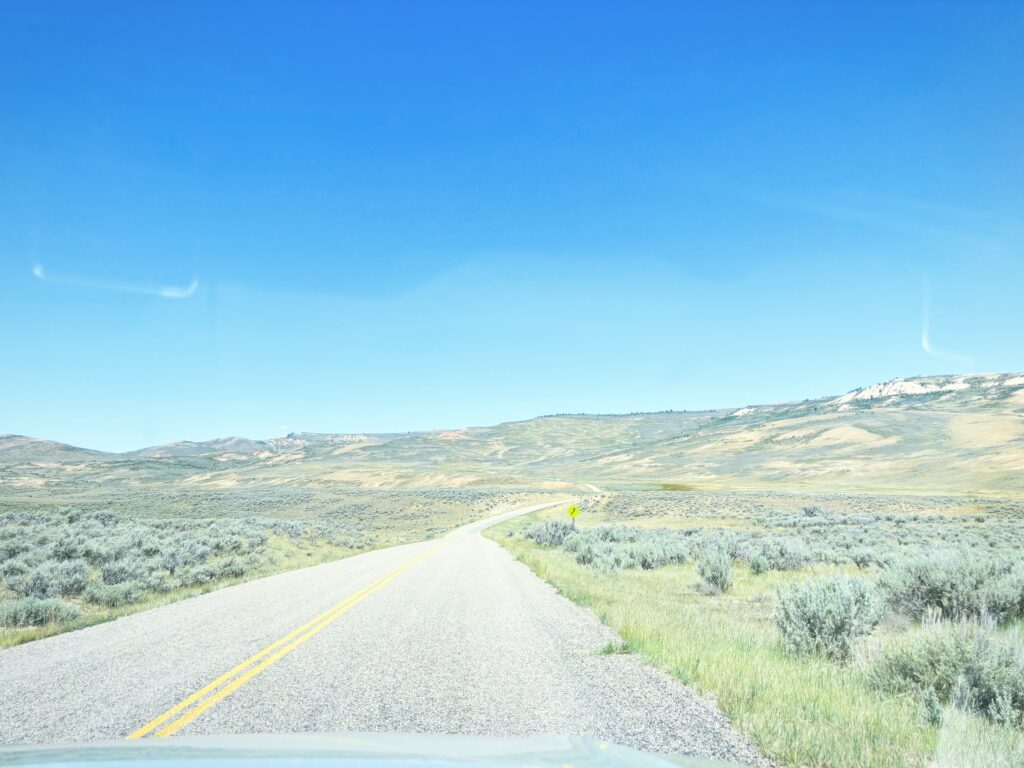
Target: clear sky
column 249, row 219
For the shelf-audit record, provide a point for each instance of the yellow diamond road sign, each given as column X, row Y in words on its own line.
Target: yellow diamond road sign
column 573, row 511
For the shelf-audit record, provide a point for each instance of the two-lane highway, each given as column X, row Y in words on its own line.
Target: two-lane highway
column 444, row 636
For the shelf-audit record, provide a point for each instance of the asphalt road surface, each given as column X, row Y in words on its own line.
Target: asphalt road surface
column 445, row 636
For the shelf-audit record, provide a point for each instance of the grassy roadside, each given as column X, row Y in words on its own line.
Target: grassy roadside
column 802, row 712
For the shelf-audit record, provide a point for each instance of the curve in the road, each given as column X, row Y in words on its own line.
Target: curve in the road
column 458, row 638
column 192, row 706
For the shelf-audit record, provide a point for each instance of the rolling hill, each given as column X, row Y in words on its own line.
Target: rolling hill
column 940, row 434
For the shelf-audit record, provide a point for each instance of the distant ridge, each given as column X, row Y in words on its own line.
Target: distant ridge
column 22, row 447
column 927, row 434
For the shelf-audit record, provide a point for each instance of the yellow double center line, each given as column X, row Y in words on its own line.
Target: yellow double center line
column 188, row 709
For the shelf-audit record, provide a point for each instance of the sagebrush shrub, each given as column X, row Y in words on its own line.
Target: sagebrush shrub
column 714, row 565
column 827, row 616
column 70, row 577
column 963, row 663
column 931, row 708
column 11, row 546
column 150, row 546
column 759, row 563
column 862, row 557
column 656, row 551
column 40, row 581
column 1004, row 595
column 779, row 554
column 120, row 571
column 596, row 552
column 65, row 548
column 610, row 548
column 200, row 574
column 617, row 533
column 96, row 551
column 233, row 567
column 13, row 573
column 34, row 612
column 550, row 533
column 115, row 595
column 160, row 581
column 958, row 586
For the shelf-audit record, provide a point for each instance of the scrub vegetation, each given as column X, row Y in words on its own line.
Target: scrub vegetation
column 840, row 629
column 66, row 565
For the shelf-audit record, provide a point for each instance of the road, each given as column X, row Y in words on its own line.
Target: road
column 445, row 636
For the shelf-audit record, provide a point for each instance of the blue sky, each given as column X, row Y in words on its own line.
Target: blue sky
column 389, row 217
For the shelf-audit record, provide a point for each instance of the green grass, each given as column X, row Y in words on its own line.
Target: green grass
column 800, row 711
column 966, row 741
column 614, row 648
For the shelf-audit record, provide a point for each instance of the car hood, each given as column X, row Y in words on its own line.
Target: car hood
column 376, row 750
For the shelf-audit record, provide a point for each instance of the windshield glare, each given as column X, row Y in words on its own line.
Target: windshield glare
column 557, row 384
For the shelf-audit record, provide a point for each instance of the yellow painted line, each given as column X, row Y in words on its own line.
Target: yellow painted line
column 237, row 676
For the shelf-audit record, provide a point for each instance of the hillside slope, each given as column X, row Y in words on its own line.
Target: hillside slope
column 948, row 434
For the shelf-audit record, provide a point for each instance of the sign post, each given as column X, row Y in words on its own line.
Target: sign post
column 573, row 512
